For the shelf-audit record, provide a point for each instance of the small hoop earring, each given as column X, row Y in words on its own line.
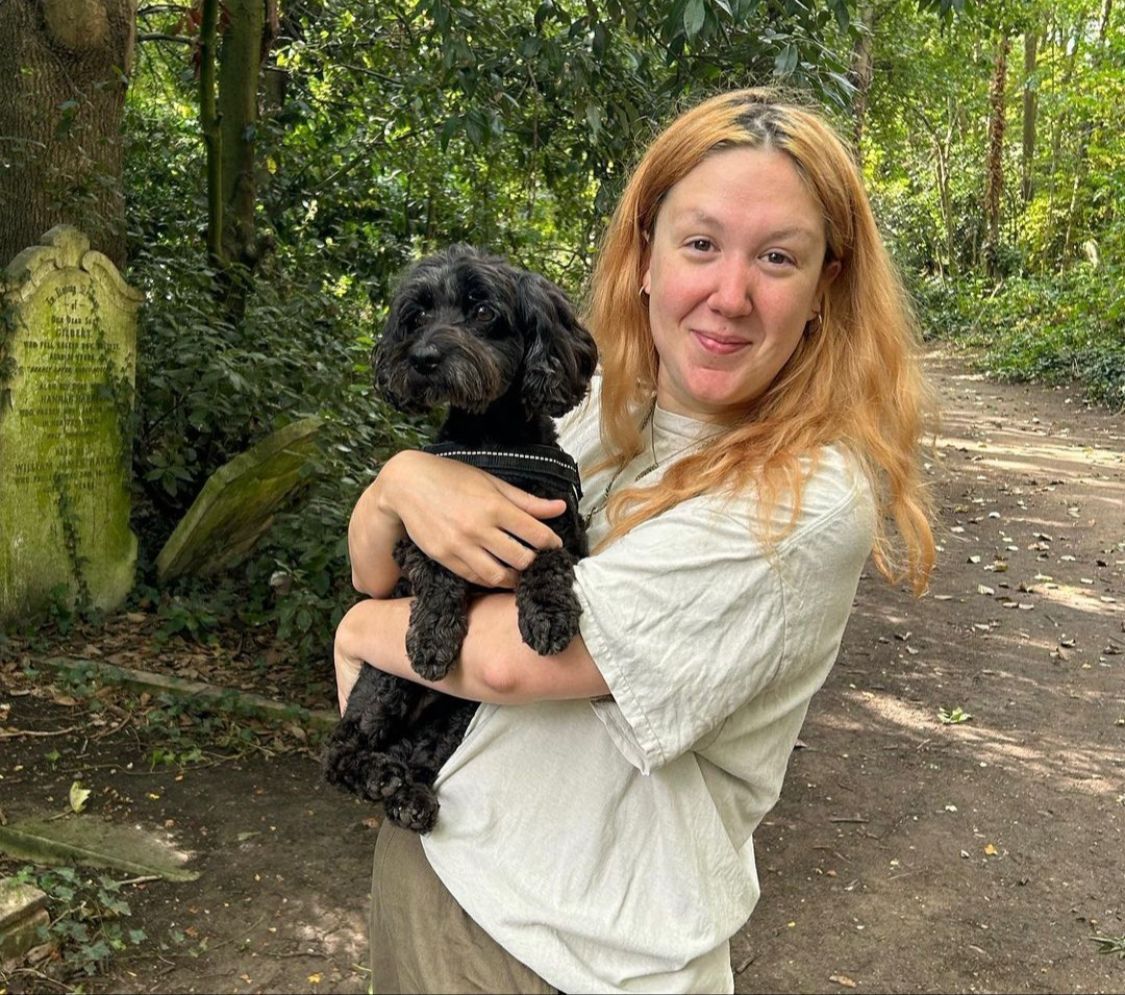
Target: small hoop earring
column 643, row 292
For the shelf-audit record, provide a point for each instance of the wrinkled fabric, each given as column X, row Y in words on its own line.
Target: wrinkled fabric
column 422, row 941
column 608, row 845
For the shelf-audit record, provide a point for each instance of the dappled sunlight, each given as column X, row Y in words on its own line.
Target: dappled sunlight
column 348, row 937
column 990, row 452
column 1079, row 598
column 1083, row 767
column 1080, row 470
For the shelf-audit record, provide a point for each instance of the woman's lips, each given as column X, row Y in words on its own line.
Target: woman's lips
column 719, row 345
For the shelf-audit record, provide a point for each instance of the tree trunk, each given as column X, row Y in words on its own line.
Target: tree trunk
column 994, row 170
column 64, row 65
column 862, row 73
column 1071, row 42
column 239, row 72
column 1085, row 134
column 212, row 132
column 1030, row 110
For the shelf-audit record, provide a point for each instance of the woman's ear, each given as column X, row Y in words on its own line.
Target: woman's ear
column 827, row 275
column 646, row 263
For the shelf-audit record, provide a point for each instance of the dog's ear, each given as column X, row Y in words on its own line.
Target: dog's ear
column 560, row 354
column 380, row 362
column 408, row 299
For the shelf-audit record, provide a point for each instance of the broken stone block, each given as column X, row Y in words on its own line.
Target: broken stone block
column 22, row 912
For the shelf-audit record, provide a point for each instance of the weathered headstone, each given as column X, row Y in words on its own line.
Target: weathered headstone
column 23, row 913
column 237, row 504
column 67, row 362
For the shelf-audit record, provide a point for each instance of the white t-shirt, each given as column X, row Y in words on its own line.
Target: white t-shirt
column 608, row 845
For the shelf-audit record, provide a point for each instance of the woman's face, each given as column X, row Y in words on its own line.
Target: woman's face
column 735, row 271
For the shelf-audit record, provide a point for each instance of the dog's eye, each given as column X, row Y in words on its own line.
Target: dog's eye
column 482, row 312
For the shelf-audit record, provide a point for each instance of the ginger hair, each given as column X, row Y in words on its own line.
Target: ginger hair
column 855, row 382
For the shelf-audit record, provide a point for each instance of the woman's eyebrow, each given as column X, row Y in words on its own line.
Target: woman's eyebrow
column 701, row 217
column 795, row 231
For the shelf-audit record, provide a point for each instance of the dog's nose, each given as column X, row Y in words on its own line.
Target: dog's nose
column 425, row 358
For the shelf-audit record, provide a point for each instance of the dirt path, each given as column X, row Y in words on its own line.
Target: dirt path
column 911, row 855
column 906, row 854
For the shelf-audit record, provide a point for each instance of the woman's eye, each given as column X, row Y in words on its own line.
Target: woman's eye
column 778, row 258
column 701, row 244
column 482, row 312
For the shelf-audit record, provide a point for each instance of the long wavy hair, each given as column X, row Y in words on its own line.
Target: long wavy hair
column 854, row 381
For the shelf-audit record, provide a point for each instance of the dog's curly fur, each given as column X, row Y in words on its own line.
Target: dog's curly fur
column 503, row 348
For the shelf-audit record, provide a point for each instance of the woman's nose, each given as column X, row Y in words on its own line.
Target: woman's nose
column 732, row 295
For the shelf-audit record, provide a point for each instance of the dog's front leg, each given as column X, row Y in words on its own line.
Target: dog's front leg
column 546, row 603
column 438, row 619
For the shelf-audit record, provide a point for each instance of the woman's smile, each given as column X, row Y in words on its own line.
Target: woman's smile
column 719, row 345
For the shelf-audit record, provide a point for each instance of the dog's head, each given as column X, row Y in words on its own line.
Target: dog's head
column 465, row 328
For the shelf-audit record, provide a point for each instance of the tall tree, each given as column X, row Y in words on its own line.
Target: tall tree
column 250, row 30
column 64, row 65
column 862, row 70
column 1030, row 112
column 994, row 171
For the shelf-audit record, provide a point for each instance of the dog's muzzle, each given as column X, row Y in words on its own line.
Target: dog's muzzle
column 446, row 365
column 424, row 358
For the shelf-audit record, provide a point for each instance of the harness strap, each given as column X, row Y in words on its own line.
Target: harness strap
column 550, row 464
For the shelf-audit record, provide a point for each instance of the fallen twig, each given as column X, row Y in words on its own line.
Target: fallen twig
column 19, row 733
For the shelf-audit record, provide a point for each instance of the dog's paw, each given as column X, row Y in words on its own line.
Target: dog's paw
column 548, row 629
column 385, row 776
column 431, row 658
column 414, row 807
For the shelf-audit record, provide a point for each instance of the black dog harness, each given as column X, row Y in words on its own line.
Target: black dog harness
column 549, row 465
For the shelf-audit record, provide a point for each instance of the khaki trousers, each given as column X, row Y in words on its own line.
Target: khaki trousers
column 422, row 941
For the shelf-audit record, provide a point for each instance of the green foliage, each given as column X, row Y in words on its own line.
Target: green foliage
column 1055, row 329
column 1055, row 312
column 1112, row 945
column 396, row 128
column 88, row 916
column 392, row 128
column 953, row 716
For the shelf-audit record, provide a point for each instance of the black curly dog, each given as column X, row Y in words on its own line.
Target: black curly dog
column 503, row 348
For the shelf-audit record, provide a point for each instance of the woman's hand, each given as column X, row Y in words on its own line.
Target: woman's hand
column 472, row 523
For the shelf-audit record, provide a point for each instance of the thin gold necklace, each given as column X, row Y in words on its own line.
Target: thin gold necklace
column 600, row 504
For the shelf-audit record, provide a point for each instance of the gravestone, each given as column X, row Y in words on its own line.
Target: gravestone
column 67, row 362
column 236, row 506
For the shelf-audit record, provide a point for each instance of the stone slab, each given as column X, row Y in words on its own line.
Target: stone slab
column 236, row 506
column 67, row 366
column 18, row 900
column 244, row 702
column 92, row 842
column 22, row 913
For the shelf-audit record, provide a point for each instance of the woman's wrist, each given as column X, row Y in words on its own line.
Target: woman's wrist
column 381, row 493
column 374, row 529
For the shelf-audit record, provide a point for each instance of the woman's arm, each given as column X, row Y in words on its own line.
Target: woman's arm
column 475, row 525
column 495, row 664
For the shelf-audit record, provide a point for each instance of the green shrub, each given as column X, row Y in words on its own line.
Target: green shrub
column 1058, row 328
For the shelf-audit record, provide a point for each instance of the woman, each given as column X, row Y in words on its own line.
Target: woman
column 754, row 428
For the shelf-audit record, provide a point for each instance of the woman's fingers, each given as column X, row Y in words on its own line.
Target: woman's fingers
column 487, row 571
column 479, row 527
column 522, row 519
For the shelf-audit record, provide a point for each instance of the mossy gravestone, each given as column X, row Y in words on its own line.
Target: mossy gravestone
column 237, row 504
column 67, row 362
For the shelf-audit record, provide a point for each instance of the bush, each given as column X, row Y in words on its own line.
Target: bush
column 1052, row 329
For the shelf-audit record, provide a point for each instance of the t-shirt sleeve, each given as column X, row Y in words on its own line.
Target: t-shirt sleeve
column 684, row 616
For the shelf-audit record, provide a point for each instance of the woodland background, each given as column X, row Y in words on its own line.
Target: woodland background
column 262, row 169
